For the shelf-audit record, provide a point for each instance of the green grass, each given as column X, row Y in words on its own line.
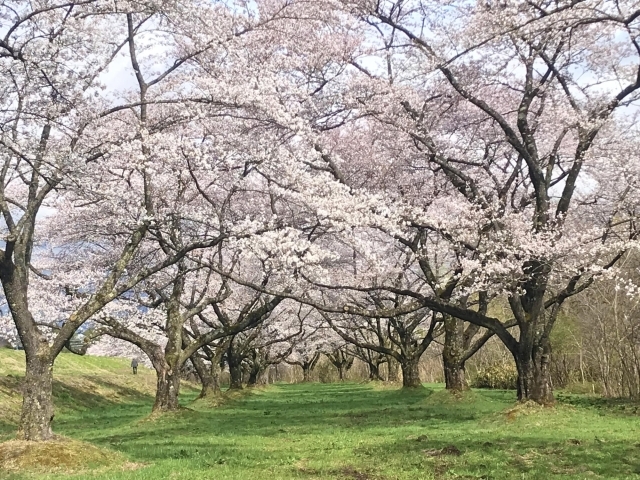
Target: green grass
column 349, row 431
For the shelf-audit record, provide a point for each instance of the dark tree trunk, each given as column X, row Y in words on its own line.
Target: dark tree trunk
column 534, row 376
column 308, row 366
column 411, row 373
column 532, row 351
column 255, row 375
column 209, row 387
column 374, row 371
column 37, row 402
column 235, row 376
column 168, row 387
column 342, row 361
column 306, row 373
column 167, row 390
column 393, row 369
column 453, row 354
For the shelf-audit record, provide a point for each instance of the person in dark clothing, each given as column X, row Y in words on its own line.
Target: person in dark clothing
column 134, row 365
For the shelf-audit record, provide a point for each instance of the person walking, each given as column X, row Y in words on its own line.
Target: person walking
column 134, row 366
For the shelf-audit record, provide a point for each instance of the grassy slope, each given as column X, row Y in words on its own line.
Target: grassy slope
column 343, row 431
column 81, row 384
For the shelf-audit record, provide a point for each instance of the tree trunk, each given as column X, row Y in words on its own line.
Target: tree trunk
column 374, row 371
column 235, row 376
column 455, row 376
column 37, row 401
column 209, row 377
column 393, row 369
column 306, row 373
column 167, row 390
column 37, row 386
column 453, row 354
column 534, row 376
column 256, row 377
column 411, row 373
column 340, row 372
column 209, row 387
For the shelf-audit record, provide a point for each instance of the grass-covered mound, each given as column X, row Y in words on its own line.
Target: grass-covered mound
column 61, row 455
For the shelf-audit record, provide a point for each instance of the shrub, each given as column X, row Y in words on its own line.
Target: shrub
column 503, row 376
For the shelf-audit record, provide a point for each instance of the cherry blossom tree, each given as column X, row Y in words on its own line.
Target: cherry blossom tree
column 208, row 365
column 342, row 359
column 103, row 110
column 272, row 344
column 58, row 132
column 310, row 344
column 404, row 338
column 187, row 313
column 510, row 112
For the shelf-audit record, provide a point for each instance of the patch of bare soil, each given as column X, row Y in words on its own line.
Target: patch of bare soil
column 438, row 452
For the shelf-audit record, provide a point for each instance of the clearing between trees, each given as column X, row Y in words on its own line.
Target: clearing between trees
column 317, row 431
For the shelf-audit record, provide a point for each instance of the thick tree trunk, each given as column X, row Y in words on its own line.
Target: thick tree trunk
column 167, row 390
column 37, row 402
column 168, row 386
column 306, row 373
column 453, row 354
column 455, row 376
column 256, row 377
column 261, row 378
column 393, row 369
column 534, row 376
column 411, row 373
column 37, row 387
column 209, row 387
column 342, row 361
column 532, row 352
column 235, row 376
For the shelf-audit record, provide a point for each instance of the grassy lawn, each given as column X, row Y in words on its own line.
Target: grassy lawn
column 340, row 431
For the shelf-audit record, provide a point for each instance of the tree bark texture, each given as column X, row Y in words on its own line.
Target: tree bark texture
column 534, row 375
column 37, row 403
column 411, row 373
column 393, row 369
column 453, row 354
column 167, row 390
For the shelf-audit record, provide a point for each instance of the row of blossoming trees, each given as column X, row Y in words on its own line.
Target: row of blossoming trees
column 194, row 177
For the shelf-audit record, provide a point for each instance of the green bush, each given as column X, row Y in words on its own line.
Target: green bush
column 497, row 376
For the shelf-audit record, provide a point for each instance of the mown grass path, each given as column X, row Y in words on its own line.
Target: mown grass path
column 362, row 432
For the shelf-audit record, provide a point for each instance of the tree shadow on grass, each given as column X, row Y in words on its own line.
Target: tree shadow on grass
column 382, row 431
column 621, row 406
column 293, row 411
column 521, row 457
column 7, row 430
